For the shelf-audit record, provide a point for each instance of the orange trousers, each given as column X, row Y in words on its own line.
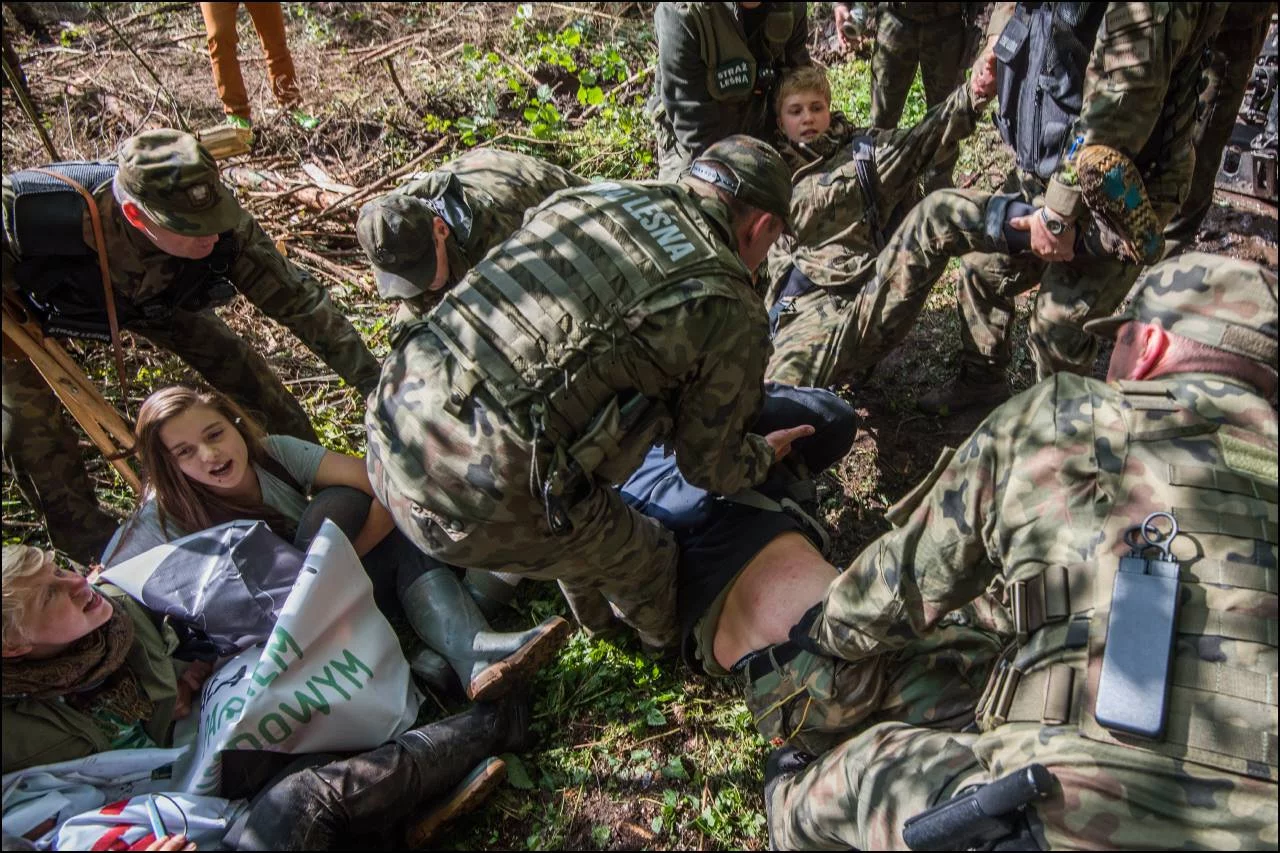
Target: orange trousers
column 268, row 20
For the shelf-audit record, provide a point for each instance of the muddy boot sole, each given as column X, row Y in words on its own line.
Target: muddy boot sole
column 1116, row 195
column 473, row 791
column 498, row 679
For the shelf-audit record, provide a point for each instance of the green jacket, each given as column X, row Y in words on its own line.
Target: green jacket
column 280, row 289
column 45, row 731
column 714, row 79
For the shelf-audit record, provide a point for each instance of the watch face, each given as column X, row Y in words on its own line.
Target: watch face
column 1055, row 226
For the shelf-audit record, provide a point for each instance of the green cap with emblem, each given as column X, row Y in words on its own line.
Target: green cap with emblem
column 1225, row 303
column 749, row 170
column 396, row 233
column 175, row 181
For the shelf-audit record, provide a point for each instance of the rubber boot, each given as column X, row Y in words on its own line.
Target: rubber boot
column 493, row 591
column 781, row 765
column 315, row 808
column 469, row 794
column 487, row 662
column 974, row 387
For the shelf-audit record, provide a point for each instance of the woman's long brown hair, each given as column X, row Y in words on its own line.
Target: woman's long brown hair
column 192, row 506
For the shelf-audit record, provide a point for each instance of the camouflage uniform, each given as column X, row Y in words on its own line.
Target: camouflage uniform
column 37, row 446
column 1139, row 98
column 1039, row 502
column 1233, row 51
column 864, row 302
column 482, row 196
column 717, row 66
column 931, row 35
column 617, row 316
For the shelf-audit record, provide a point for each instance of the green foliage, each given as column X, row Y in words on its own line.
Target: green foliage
column 851, row 93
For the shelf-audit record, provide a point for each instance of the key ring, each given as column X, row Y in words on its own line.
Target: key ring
column 1152, row 534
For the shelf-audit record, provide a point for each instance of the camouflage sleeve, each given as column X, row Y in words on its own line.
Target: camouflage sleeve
column 685, row 97
column 903, row 154
column 290, row 296
column 1030, row 468
column 798, row 45
column 721, row 397
column 1124, row 88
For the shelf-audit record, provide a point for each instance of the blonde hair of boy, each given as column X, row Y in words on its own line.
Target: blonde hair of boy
column 806, row 78
column 21, row 563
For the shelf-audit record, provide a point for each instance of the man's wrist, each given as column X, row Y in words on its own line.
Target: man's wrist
column 1054, row 223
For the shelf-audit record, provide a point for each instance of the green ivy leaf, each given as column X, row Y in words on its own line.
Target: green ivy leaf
column 517, row 773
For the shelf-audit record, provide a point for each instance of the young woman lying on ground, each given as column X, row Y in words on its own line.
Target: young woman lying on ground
column 87, row 669
column 206, row 462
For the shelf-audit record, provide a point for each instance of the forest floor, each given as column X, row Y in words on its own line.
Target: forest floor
column 632, row 754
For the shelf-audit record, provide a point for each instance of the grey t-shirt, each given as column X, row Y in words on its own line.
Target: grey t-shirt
column 301, row 459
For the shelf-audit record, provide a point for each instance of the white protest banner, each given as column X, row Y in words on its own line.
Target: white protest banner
column 331, row 676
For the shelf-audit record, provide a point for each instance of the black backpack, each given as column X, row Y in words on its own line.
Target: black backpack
column 57, row 271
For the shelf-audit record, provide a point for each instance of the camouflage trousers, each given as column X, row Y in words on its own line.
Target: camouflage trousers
column 459, row 488
column 1233, row 51
column 1070, row 294
column 42, row 452
column 938, row 48
column 43, row 455
column 831, row 334
column 859, row 794
column 814, row 702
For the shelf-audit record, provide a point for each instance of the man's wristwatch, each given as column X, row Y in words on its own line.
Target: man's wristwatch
column 1055, row 225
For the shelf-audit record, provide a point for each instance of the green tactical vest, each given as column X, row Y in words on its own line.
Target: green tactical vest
column 539, row 324
column 732, row 63
column 1221, row 712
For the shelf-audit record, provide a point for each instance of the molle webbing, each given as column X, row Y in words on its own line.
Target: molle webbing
column 532, row 321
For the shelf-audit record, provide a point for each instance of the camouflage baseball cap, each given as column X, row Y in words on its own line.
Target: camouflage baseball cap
column 1222, row 302
column 396, row 233
column 758, row 175
column 175, row 181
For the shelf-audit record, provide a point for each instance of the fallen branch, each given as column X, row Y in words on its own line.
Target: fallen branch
column 362, row 193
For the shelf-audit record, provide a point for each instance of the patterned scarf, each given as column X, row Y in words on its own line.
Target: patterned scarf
column 90, row 675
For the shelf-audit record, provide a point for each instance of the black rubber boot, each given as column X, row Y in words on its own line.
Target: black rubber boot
column 315, row 808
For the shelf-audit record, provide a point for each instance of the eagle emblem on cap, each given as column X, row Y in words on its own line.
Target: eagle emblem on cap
column 199, row 195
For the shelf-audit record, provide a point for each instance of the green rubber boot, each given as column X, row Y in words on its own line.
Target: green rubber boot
column 488, row 663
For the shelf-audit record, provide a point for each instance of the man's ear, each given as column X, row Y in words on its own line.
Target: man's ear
column 133, row 214
column 1155, row 342
column 440, row 228
column 15, row 651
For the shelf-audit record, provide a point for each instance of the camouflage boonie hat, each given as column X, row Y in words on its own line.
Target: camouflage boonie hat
column 395, row 231
column 1222, row 302
column 175, row 181
column 758, row 175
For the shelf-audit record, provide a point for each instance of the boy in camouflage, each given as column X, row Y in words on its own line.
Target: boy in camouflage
column 841, row 298
column 1042, row 501
column 165, row 209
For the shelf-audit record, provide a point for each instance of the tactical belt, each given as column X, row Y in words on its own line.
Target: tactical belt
column 758, row 664
column 100, row 241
